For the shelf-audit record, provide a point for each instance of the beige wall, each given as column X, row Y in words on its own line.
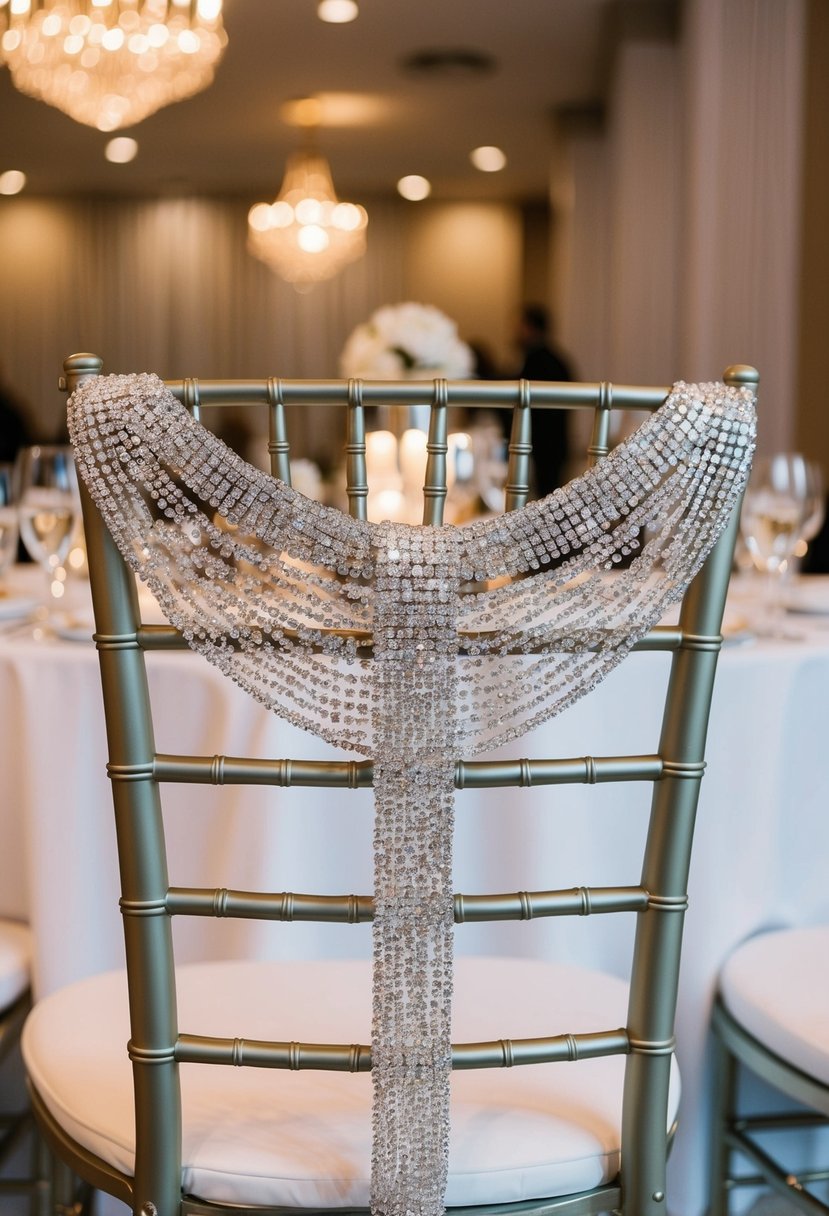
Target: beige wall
column 465, row 258
column 812, row 423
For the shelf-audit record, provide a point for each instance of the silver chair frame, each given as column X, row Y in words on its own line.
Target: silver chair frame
column 157, row 1045
column 17, row 1126
column 737, row 1135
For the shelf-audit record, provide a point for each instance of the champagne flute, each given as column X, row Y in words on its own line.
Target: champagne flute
column 8, row 519
column 816, row 512
column 782, row 495
column 49, row 509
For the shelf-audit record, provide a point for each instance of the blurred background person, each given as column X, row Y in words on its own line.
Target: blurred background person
column 540, row 360
column 14, row 430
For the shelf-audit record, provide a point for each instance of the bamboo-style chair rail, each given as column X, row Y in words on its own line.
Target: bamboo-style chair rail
column 359, row 774
column 359, row 909
column 165, row 637
column 603, row 395
column 356, row 1057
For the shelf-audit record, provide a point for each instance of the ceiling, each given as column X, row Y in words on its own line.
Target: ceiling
column 380, row 120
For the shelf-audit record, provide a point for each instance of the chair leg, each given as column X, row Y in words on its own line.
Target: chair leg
column 69, row 1196
column 42, row 1203
column 723, row 1113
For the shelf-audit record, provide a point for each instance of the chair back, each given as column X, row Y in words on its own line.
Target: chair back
column 673, row 769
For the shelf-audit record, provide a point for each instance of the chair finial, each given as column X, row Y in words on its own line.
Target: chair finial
column 740, row 375
column 77, row 368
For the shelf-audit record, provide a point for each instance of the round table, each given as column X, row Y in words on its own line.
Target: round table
column 762, row 836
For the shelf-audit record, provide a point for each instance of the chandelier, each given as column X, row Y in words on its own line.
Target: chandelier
column 307, row 235
column 111, row 63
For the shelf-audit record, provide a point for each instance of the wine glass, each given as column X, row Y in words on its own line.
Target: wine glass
column 8, row 519
column 49, row 509
column 783, row 496
column 813, row 522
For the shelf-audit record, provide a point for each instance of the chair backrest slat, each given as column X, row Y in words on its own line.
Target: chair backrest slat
column 519, row 451
column 434, row 486
column 279, row 449
column 359, row 774
column 356, row 477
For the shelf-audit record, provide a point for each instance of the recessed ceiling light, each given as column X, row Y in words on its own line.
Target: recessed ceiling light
column 414, row 187
column 488, row 159
column 337, row 12
column 449, row 61
column 12, row 181
column 121, row 150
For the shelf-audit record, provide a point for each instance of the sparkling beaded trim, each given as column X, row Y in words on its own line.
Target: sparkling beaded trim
column 416, row 645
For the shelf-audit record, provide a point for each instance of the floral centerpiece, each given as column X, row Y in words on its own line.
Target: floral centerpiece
column 406, row 342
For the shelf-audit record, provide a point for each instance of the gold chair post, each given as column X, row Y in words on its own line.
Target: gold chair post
column 434, row 488
column 356, row 479
column 279, row 449
column 600, row 438
column 655, row 971
column 519, row 451
column 140, row 834
column 191, row 398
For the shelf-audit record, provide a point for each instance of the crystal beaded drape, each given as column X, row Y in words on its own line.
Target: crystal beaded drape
column 416, row 645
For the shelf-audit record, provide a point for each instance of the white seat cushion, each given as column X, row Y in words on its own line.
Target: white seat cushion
column 303, row 1138
column 15, row 953
column 777, row 986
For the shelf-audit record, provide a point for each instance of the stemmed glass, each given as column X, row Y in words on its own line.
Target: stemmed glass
column 813, row 522
column 8, row 519
column 49, row 509
column 783, row 497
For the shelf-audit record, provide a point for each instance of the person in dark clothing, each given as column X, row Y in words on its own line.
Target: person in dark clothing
column 541, row 361
column 14, row 433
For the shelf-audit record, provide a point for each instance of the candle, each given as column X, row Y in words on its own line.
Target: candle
column 412, row 459
column 381, row 460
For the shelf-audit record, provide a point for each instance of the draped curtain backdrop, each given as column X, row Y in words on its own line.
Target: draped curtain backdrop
column 168, row 285
column 683, row 206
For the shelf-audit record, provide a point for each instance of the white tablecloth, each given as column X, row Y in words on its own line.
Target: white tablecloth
column 762, row 839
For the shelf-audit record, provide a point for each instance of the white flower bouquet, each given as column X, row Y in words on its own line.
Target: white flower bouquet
column 406, row 342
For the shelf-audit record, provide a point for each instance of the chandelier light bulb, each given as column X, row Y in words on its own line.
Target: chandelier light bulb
column 122, row 150
column 312, row 238
column 111, row 63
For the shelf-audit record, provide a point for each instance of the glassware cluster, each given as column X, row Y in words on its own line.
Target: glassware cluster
column 783, row 510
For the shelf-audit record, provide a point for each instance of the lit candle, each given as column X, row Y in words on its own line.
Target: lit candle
column 381, row 460
column 412, row 458
column 387, row 504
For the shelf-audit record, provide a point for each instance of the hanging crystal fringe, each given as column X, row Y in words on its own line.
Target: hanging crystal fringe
column 478, row 633
column 415, row 672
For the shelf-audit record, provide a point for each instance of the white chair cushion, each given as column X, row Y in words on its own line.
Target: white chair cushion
column 777, row 986
column 15, row 953
column 303, row 1138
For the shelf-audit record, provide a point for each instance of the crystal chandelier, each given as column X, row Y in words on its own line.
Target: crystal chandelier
column 111, row 63
column 307, row 235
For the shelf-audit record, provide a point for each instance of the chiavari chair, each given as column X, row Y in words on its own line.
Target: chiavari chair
column 176, row 1128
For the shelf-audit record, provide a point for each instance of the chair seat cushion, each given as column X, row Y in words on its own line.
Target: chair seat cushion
column 776, row 985
column 15, row 953
column 304, row 1138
